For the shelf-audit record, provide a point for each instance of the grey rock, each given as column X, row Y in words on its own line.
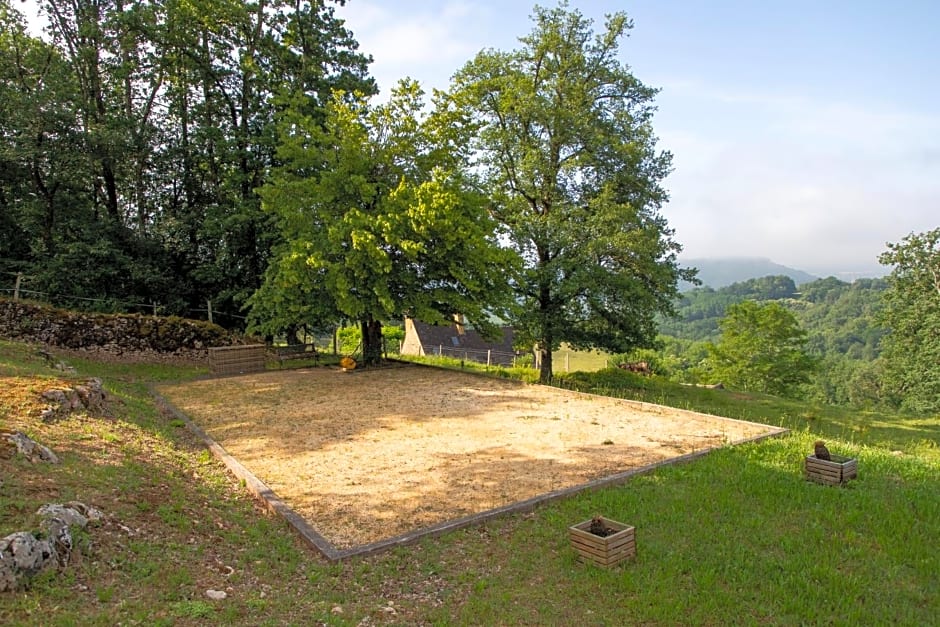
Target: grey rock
column 32, row 450
column 22, row 556
column 66, row 513
column 87, row 397
column 58, row 534
column 74, row 509
column 25, row 554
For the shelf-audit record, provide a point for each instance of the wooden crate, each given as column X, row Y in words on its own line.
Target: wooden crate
column 237, row 359
column 603, row 551
column 835, row 472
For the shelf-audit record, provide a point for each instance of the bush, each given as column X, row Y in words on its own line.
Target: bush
column 350, row 339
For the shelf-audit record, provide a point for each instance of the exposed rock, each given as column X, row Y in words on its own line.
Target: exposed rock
column 30, row 449
column 72, row 513
column 88, row 397
column 54, row 363
column 58, row 534
column 25, row 554
column 22, row 556
column 216, row 595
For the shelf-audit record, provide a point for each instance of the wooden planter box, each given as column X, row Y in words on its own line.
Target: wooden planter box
column 603, row 551
column 237, row 359
column 835, row 472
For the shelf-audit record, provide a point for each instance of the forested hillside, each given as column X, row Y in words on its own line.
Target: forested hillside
column 721, row 272
column 840, row 320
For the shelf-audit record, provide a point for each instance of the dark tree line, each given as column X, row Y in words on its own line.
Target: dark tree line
column 134, row 135
column 138, row 139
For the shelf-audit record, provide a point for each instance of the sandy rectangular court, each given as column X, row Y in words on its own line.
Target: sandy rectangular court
column 370, row 454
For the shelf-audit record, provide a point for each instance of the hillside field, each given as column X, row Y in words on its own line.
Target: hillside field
column 737, row 536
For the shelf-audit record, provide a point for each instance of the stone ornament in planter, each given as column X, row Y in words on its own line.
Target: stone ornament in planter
column 836, row 470
column 603, row 541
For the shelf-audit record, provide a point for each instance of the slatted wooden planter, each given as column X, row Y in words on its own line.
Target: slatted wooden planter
column 603, row 551
column 835, row 472
column 237, row 359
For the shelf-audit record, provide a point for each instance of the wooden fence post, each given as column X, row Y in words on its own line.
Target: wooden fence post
column 209, row 308
column 16, row 287
column 566, row 361
column 489, row 353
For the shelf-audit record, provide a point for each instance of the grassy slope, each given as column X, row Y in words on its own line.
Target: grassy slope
column 737, row 536
column 586, row 361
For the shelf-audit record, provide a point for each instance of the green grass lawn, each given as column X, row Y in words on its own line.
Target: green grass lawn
column 567, row 360
column 736, row 537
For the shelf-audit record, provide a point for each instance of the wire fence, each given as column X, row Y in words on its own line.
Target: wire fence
column 483, row 356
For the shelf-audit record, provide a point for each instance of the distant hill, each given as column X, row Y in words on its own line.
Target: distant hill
column 716, row 273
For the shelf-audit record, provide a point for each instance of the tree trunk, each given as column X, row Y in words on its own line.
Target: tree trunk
column 545, row 361
column 371, row 342
column 290, row 334
column 547, row 331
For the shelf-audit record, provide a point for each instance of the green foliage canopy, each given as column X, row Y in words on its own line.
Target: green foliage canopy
column 762, row 349
column 841, row 319
column 568, row 156
column 379, row 221
column 912, row 315
column 133, row 135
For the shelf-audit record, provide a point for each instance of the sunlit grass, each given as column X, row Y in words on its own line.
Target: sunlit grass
column 735, row 537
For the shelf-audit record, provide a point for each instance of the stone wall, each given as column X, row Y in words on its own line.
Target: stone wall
column 117, row 334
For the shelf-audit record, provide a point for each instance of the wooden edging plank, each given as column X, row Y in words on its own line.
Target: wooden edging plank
column 331, row 553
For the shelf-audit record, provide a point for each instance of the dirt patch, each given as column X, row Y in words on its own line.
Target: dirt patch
column 367, row 455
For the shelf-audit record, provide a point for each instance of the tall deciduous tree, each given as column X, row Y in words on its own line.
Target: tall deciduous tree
column 569, row 158
column 134, row 134
column 912, row 315
column 762, row 348
column 229, row 64
column 379, row 221
column 41, row 155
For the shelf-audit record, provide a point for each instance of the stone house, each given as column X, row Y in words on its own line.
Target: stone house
column 457, row 340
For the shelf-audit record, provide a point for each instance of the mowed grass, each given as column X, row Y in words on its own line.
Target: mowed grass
column 736, row 537
column 567, row 360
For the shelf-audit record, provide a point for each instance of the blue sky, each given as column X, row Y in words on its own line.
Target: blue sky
column 803, row 131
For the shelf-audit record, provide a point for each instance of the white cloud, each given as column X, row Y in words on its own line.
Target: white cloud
column 428, row 42
column 807, row 183
column 812, row 181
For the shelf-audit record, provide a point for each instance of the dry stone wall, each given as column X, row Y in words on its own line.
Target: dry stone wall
column 118, row 334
